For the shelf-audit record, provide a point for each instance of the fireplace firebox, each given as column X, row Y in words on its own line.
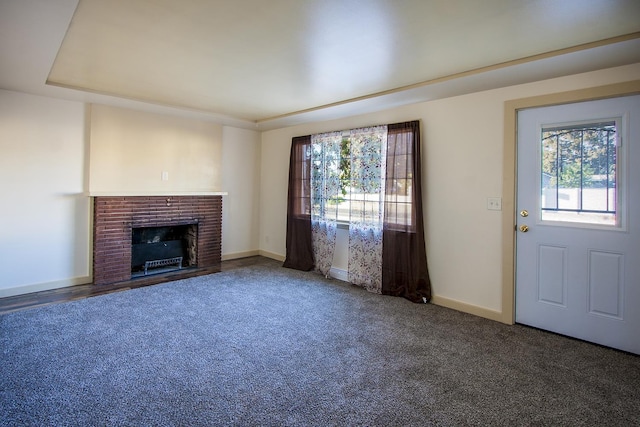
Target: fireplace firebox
column 157, row 250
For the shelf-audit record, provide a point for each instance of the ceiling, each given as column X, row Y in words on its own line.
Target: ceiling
column 267, row 64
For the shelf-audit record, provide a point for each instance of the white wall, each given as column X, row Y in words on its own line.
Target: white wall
column 45, row 240
column 131, row 150
column 462, row 166
column 44, row 173
column 45, row 212
column 241, row 180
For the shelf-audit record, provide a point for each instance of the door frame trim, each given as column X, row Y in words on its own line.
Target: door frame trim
column 509, row 173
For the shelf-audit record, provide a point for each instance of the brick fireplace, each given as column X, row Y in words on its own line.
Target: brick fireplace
column 116, row 217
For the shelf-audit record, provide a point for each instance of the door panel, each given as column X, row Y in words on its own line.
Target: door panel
column 606, row 278
column 552, row 275
column 578, row 258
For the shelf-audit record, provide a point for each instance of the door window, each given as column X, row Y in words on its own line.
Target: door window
column 579, row 176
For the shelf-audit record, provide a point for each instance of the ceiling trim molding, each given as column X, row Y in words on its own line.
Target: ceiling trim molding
column 213, row 116
column 475, row 71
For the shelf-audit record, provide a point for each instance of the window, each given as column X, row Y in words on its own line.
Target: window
column 369, row 177
column 579, row 178
column 347, row 175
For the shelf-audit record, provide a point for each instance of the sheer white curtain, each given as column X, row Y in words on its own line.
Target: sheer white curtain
column 366, row 192
column 325, row 195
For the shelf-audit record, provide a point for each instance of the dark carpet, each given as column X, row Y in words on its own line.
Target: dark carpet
column 268, row 346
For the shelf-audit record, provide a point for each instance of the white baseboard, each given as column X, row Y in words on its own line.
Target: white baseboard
column 47, row 286
column 236, row 255
column 271, row 255
column 467, row 308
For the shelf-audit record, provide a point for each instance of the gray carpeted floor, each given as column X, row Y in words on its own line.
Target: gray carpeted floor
column 269, row 346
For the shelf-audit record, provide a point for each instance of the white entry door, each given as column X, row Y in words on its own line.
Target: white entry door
column 578, row 227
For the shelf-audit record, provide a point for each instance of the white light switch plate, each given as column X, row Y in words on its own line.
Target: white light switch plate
column 494, row 203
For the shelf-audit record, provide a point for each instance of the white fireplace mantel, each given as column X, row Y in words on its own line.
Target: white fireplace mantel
column 154, row 193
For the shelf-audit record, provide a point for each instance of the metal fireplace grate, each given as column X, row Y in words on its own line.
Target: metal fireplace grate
column 162, row 263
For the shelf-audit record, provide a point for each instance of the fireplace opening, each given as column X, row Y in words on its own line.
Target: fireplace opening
column 156, row 250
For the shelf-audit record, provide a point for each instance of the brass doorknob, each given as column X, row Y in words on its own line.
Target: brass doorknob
column 524, row 228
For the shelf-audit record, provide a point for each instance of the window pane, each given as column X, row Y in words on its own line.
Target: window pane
column 347, row 174
column 578, row 173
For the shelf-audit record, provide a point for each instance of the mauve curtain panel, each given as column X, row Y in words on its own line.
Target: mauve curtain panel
column 404, row 258
column 299, row 253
